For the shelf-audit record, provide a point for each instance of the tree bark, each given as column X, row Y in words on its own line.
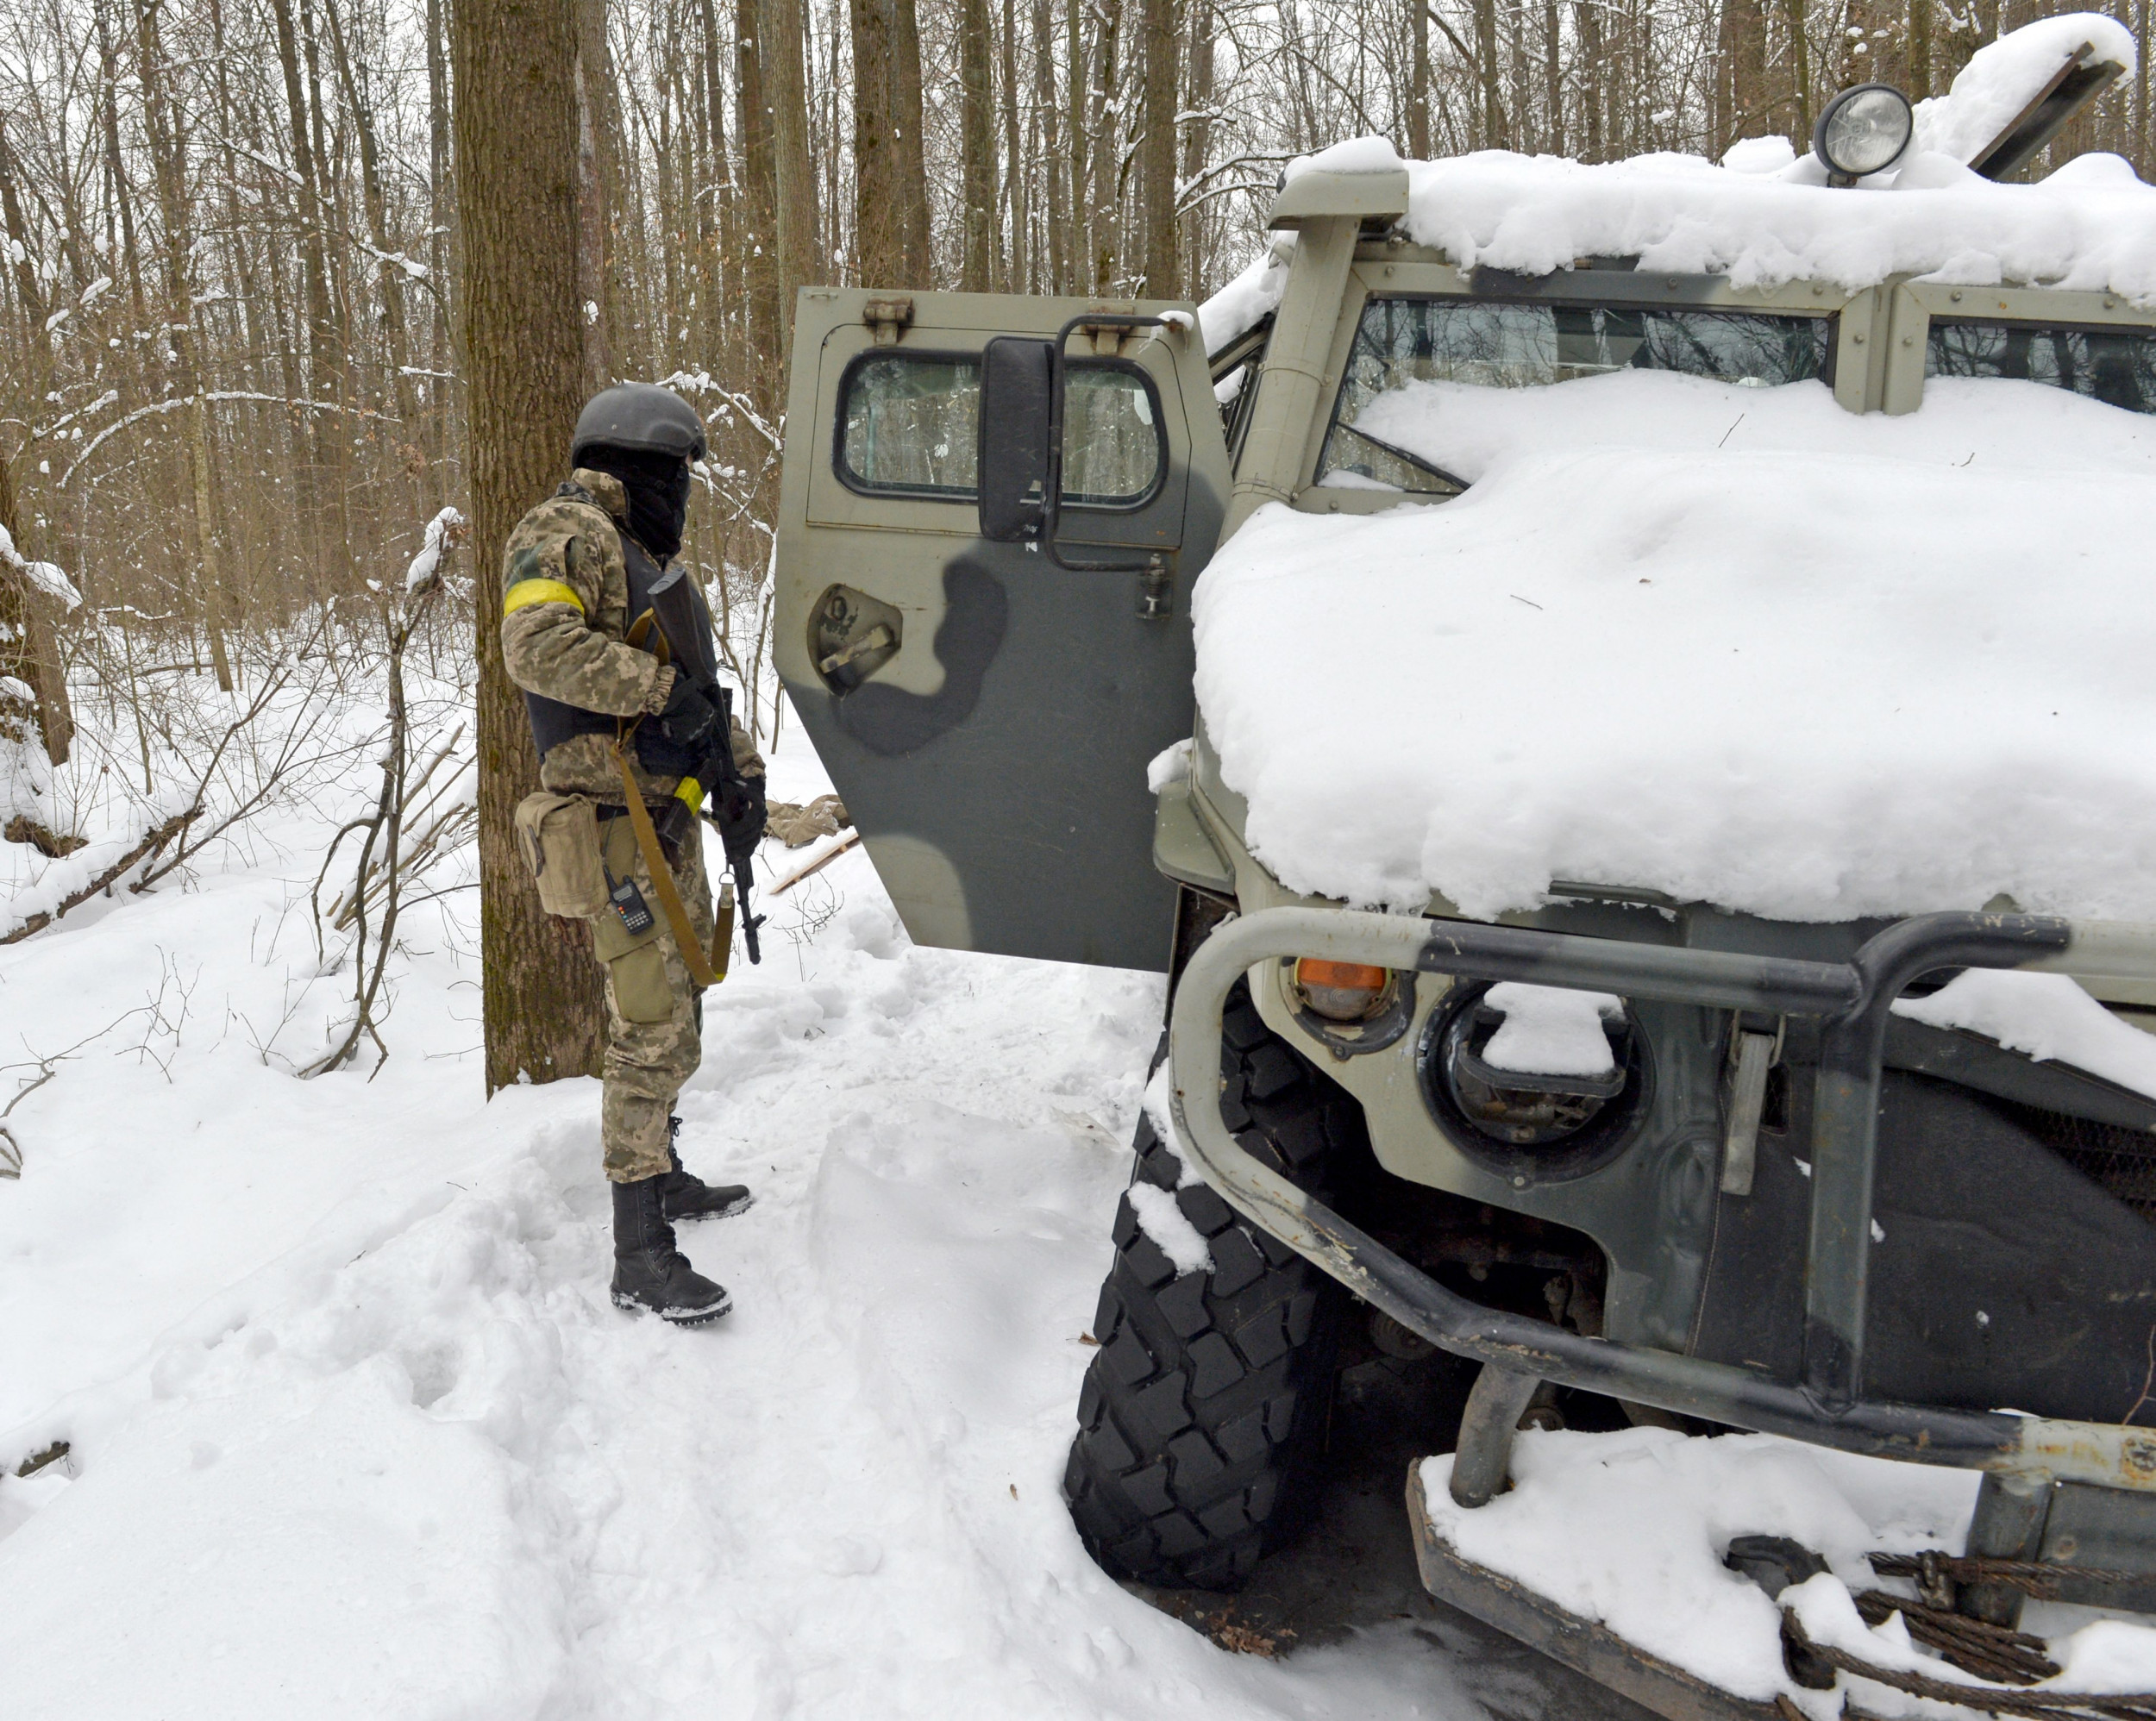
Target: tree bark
column 181, row 330
column 757, row 245
column 1160, row 75
column 1418, row 79
column 800, row 260
column 516, row 167
column 314, row 268
column 905, row 130
column 1013, row 279
column 878, row 248
column 27, row 649
column 1486, row 73
column 976, row 147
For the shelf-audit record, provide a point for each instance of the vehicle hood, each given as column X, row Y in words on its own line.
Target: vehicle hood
column 1733, row 644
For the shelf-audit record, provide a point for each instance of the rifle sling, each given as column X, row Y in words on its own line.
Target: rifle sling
column 705, row 969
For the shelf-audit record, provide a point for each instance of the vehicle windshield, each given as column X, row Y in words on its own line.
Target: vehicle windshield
column 2115, row 365
column 1497, row 345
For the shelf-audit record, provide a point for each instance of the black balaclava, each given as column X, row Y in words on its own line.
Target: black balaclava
column 658, row 489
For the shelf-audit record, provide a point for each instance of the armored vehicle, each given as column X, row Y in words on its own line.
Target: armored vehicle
column 1612, row 855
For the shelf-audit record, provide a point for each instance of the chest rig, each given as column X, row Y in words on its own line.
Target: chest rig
column 554, row 721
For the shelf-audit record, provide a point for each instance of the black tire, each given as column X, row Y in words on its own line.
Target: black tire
column 1202, row 1416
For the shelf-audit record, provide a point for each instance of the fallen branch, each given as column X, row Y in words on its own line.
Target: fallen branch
column 816, row 865
column 152, row 844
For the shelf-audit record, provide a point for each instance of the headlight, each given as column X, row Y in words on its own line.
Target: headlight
column 1864, row 130
column 1526, row 1126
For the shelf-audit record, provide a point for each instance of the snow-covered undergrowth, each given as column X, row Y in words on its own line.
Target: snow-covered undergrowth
column 355, row 1432
column 1732, row 643
column 1630, row 1528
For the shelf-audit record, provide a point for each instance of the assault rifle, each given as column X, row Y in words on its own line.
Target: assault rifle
column 679, row 612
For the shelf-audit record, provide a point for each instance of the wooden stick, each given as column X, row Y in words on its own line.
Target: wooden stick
column 816, row 865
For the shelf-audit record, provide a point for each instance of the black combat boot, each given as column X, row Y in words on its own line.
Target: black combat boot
column 650, row 1272
column 691, row 1197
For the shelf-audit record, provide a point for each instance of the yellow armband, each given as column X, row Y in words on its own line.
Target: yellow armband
column 526, row 592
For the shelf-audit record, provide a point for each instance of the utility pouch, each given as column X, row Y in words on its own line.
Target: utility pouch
column 558, row 836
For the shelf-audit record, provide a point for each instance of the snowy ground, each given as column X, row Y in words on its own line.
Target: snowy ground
column 355, row 1431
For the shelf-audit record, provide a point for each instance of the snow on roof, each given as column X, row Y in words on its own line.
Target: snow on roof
column 1730, row 643
column 1763, row 217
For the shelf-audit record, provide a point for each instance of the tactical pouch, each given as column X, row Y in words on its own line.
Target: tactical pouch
column 558, row 836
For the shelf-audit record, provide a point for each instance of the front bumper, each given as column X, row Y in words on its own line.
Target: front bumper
column 1851, row 1001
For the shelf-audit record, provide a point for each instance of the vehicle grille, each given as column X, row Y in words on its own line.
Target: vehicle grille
column 2122, row 1162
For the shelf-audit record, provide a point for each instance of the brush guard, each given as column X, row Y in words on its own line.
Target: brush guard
column 1826, row 1406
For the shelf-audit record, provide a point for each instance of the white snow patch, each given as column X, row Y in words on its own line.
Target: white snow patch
column 1250, row 297
column 1758, row 155
column 357, row 1434
column 1731, row 643
column 1549, row 1031
column 44, row 575
column 2046, row 1016
column 1352, row 155
column 1630, row 1528
column 2002, row 78
column 429, row 557
column 1170, row 764
column 1161, row 1218
column 1683, row 215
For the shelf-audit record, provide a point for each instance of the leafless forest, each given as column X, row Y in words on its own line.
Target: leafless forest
column 232, row 384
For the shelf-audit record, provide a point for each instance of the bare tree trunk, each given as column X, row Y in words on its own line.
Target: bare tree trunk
column 1586, row 15
column 1486, row 68
column 1056, row 164
column 1418, row 79
column 800, row 260
column 1197, row 139
column 718, row 257
column 1800, row 70
column 516, row 165
column 593, row 286
column 181, row 328
column 438, row 188
column 107, row 80
column 976, row 147
column 879, row 249
column 26, row 650
column 317, row 469
column 1080, row 144
column 396, row 350
column 1161, row 74
column 757, row 245
column 1013, row 279
column 1552, row 81
column 906, row 129
column 1104, row 149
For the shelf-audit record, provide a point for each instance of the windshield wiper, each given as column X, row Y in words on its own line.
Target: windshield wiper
column 1414, row 460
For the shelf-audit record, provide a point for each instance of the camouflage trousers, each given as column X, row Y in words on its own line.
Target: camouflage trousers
column 653, row 1010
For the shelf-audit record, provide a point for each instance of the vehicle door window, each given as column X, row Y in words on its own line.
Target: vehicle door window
column 2115, row 365
column 1493, row 344
column 909, row 426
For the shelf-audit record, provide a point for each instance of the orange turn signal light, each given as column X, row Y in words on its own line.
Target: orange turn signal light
column 1341, row 992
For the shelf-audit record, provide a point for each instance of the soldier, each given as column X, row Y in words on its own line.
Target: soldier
column 607, row 712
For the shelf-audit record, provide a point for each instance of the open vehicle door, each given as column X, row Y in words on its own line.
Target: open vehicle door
column 987, row 708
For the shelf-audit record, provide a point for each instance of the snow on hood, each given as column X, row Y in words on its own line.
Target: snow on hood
column 1763, row 217
column 1731, row 643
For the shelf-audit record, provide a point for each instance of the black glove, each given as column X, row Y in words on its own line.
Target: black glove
column 687, row 717
column 741, row 816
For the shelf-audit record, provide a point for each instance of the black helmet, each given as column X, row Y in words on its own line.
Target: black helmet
column 639, row 415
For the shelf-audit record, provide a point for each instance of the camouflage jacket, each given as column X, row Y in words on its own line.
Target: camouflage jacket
column 564, row 626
